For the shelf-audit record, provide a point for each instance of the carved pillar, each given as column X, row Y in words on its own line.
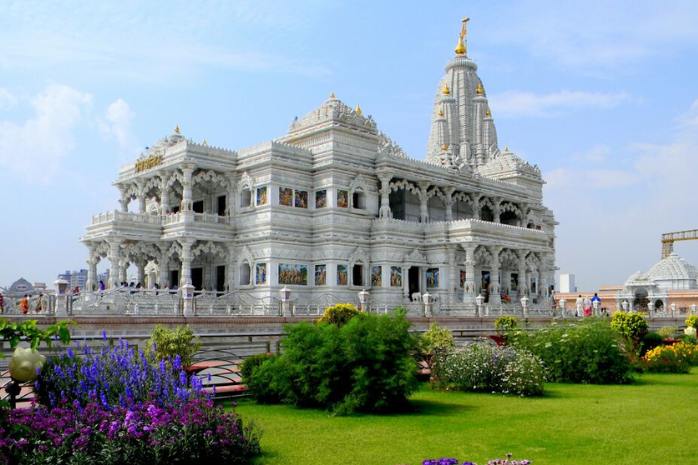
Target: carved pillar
column 497, row 209
column 448, row 202
column 163, row 268
column 186, row 261
column 164, row 195
column 476, row 206
column 187, row 203
column 123, row 271
column 91, row 283
column 523, row 283
column 469, row 287
column 124, row 199
column 231, row 200
column 423, row 201
column 406, row 282
column 495, row 285
column 114, row 258
column 524, row 214
column 141, row 198
column 452, row 282
column 385, row 211
column 141, row 272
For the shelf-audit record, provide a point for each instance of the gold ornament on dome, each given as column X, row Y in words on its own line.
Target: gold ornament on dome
column 479, row 90
column 488, row 113
column 441, row 112
column 177, row 130
column 460, row 46
column 445, row 90
column 357, row 110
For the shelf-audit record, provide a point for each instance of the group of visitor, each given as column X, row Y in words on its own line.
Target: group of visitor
column 584, row 305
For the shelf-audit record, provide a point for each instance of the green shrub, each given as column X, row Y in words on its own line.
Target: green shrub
column 692, row 321
column 667, row 332
column 632, row 326
column 484, row 367
column 504, row 324
column 339, row 314
column 650, row 341
column 365, row 365
column 435, row 342
column 250, row 363
column 585, row 352
column 166, row 344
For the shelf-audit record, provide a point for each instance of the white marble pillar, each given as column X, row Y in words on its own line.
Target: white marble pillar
column 141, row 203
column 186, row 261
column 406, row 282
column 385, row 211
column 164, row 194
column 187, row 204
column 448, row 202
column 141, row 273
column 469, row 288
column 497, row 209
column 114, row 259
column 452, row 282
column 423, row 201
column 476, row 206
column 523, row 283
column 92, row 261
column 495, row 285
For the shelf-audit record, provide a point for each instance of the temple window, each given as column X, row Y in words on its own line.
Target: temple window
column 486, row 213
column 358, row 200
column 432, row 276
column 222, row 204
column 509, row 217
column 246, row 198
column 244, row 274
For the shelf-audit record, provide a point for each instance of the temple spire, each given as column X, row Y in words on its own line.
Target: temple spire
column 460, row 47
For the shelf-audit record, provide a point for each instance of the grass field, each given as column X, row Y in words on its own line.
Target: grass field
column 653, row 422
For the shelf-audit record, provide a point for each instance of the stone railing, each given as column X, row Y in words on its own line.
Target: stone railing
column 116, row 215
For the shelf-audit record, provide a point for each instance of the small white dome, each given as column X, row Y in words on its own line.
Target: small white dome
column 673, row 272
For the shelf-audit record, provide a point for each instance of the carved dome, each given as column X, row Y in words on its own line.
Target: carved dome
column 673, row 272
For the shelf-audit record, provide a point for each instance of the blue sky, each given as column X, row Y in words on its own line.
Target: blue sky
column 601, row 95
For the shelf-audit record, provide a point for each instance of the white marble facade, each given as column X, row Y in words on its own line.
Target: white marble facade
column 335, row 206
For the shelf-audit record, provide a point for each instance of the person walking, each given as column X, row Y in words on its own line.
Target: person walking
column 587, row 307
column 101, row 286
column 579, row 306
column 24, row 304
column 595, row 299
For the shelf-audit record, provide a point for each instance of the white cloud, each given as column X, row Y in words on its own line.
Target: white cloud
column 34, row 148
column 521, row 104
column 117, row 124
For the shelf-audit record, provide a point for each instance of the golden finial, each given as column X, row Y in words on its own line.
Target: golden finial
column 479, row 90
column 177, row 130
column 488, row 114
column 357, row 110
column 445, row 90
column 460, row 47
column 332, row 96
column 441, row 113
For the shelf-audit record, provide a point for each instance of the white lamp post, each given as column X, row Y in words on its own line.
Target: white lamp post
column 285, row 293
column 524, row 306
column 562, row 307
column 426, row 300
column 363, row 299
column 188, row 298
column 478, row 304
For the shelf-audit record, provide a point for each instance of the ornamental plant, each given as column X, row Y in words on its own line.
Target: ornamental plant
column 339, row 314
column 675, row 358
column 364, row 365
column 187, row 432
column 632, row 326
column 166, row 344
column 434, row 343
column 582, row 352
column 692, row 321
column 113, row 376
column 504, row 324
column 454, row 461
column 483, row 367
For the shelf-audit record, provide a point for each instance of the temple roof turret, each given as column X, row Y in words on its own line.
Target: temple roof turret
column 333, row 111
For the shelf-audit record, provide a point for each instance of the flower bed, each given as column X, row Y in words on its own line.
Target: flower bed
column 454, row 461
column 187, row 433
column 675, row 358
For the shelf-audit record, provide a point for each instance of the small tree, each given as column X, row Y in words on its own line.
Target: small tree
column 632, row 327
column 435, row 343
column 167, row 343
column 339, row 314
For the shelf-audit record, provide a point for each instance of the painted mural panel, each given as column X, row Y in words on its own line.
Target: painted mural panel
column 262, row 195
column 395, row 276
column 321, row 199
column 286, row 196
column 260, row 273
column 342, row 275
column 432, row 277
column 293, row 274
column 320, row 275
column 377, row 276
column 301, row 200
column 342, row 199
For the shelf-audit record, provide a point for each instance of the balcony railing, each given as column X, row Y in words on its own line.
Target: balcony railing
column 156, row 219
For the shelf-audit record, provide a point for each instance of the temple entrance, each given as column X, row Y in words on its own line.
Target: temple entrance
column 197, row 278
column 640, row 302
column 357, row 275
column 413, row 279
column 174, row 279
column 220, row 278
column 485, row 285
column 221, row 205
column 198, row 206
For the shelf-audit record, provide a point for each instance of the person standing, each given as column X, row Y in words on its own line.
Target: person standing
column 24, row 304
column 579, row 306
column 587, row 307
column 595, row 299
column 101, row 286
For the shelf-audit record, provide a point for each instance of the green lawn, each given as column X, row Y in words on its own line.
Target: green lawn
column 653, row 422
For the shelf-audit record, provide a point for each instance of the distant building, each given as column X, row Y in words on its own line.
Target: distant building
column 75, row 278
column 567, row 282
